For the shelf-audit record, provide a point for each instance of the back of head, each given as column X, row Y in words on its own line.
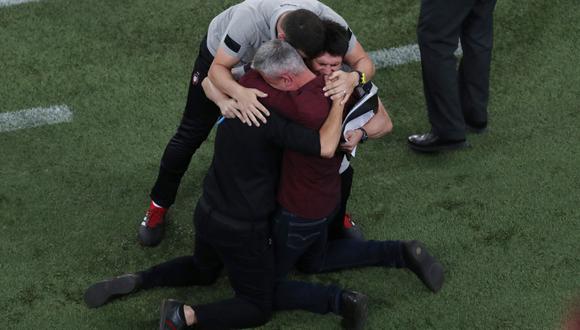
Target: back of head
column 304, row 31
column 336, row 38
column 276, row 57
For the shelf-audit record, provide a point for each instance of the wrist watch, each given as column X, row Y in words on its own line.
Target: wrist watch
column 365, row 136
column 362, row 78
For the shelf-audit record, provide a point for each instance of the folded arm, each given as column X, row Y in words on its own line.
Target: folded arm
column 251, row 110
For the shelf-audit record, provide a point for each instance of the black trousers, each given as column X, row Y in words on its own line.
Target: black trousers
column 335, row 226
column 199, row 117
column 456, row 97
column 245, row 250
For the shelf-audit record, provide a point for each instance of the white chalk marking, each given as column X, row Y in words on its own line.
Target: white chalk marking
column 390, row 57
column 12, row 121
column 6, row 3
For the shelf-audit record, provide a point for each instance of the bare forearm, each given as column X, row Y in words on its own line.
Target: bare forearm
column 223, row 80
column 212, row 92
column 380, row 124
column 331, row 130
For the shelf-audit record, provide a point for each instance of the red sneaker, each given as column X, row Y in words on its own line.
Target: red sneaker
column 350, row 229
column 347, row 221
column 152, row 227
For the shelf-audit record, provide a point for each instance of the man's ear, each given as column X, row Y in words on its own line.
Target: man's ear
column 287, row 79
column 281, row 35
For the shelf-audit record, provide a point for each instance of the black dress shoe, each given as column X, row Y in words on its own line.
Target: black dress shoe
column 430, row 142
column 424, row 265
column 172, row 317
column 353, row 309
column 100, row 293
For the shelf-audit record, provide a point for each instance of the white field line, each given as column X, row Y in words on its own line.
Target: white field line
column 12, row 121
column 391, row 57
column 6, row 3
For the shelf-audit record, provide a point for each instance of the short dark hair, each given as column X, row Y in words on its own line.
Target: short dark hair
column 304, row 31
column 335, row 38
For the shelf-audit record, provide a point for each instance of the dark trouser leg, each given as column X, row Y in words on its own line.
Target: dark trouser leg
column 304, row 242
column 474, row 68
column 336, row 226
column 350, row 253
column 438, row 36
column 182, row 271
column 202, row 268
column 311, row 297
column 198, row 119
column 294, row 236
column 249, row 261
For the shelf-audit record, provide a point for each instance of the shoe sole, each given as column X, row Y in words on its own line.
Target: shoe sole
column 444, row 147
column 431, row 271
column 364, row 312
column 150, row 237
column 100, row 293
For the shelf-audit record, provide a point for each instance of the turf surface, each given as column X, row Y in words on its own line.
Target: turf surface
column 502, row 216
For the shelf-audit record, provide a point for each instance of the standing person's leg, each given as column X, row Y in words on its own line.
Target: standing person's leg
column 474, row 68
column 199, row 117
column 438, row 36
column 341, row 225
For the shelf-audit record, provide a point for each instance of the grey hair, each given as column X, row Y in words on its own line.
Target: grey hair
column 276, row 57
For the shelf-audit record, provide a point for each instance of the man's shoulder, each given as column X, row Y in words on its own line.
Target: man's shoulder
column 315, row 85
column 311, row 92
column 253, row 79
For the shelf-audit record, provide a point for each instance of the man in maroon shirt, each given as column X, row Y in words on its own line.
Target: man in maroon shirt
column 232, row 226
column 309, row 195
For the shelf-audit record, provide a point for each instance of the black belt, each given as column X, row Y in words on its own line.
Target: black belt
column 227, row 221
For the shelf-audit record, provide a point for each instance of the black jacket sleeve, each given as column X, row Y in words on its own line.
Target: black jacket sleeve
column 287, row 134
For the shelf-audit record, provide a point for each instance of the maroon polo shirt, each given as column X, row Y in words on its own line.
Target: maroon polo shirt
column 309, row 185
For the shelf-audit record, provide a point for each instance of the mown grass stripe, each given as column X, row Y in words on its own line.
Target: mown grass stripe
column 12, row 121
column 390, row 57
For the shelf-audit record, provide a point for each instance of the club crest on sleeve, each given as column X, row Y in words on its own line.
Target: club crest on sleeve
column 195, row 78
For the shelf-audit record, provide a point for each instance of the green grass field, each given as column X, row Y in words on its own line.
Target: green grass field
column 502, row 216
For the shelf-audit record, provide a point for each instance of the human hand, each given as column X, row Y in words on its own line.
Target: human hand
column 352, row 138
column 250, row 108
column 229, row 109
column 340, row 85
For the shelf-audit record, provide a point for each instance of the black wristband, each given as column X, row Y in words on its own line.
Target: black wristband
column 365, row 136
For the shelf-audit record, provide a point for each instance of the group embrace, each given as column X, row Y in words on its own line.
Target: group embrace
column 282, row 74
